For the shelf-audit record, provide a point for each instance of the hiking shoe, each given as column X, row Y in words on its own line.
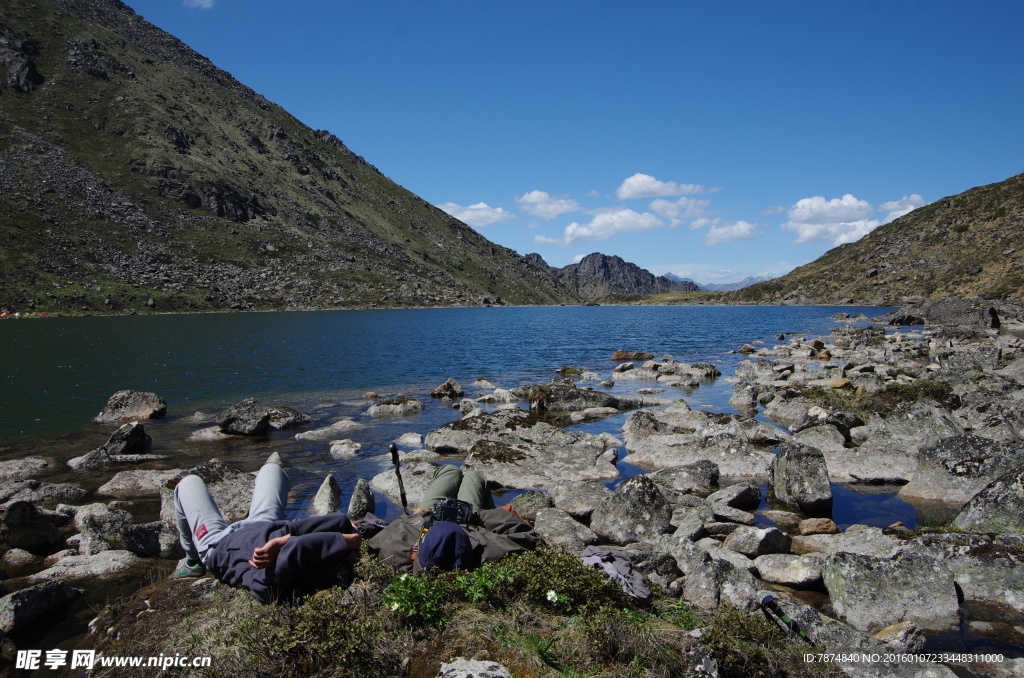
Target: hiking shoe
column 186, row 571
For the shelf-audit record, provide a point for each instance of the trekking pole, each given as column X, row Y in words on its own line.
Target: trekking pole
column 768, row 603
column 398, row 474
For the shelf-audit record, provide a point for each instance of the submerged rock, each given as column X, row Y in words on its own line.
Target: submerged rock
column 404, row 406
column 139, row 483
column 283, row 418
column 328, row 431
column 132, row 405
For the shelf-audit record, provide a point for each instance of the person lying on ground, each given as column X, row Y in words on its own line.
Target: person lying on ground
column 420, row 542
column 266, row 554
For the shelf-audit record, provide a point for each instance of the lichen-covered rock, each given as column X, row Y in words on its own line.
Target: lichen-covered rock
column 717, row 582
column 39, row 493
column 753, row 542
column 741, row 496
column 810, row 526
column 362, row 501
column 725, row 513
column 21, row 609
column 700, row 478
column 139, row 483
column 345, row 449
column 81, row 567
column 461, row 667
column 328, row 431
column 124, row 446
column 26, row 527
column 798, row 480
column 529, row 503
column 871, row 541
column 245, row 418
column 657, row 566
column 955, row 469
column 22, row 468
column 998, row 507
column 637, row 510
column 449, row 389
column 103, row 529
column 415, row 476
column 16, row 560
column 557, row 528
column 283, row 418
column 790, row 570
column 579, row 499
column 403, row 406
column 870, row 593
column 132, row 405
column 327, row 499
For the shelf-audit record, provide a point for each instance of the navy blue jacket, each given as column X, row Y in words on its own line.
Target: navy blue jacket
column 315, row 546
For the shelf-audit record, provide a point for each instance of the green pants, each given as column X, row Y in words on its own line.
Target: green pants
column 454, row 482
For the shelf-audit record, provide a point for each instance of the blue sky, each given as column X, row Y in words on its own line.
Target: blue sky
column 712, row 140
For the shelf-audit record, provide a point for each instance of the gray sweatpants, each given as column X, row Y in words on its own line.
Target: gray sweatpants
column 200, row 523
column 469, row 485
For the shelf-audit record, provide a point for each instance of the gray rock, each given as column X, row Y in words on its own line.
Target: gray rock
column 328, row 431
column 871, row 541
column 39, row 493
column 635, row 511
column 863, row 593
column 529, row 503
column 123, row 447
column 415, row 476
column 579, row 499
column 657, row 566
column 741, row 495
column 955, row 469
column 327, row 499
column 798, row 480
column 22, row 609
column 209, row 433
column 720, row 529
column 998, row 507
column 283, row 418
column 80, row 567
column 22, row 468
column 902, row 637
column 726, row 513
column 753, row 542
column 26, row 527
column 735, row 457
column 832, row 636
column 565, row 397
column 689, row 523
column 139, row 483
column 404, row 406
column 410, row 439
column 345, row 449
column 791, row 414
column 826, row 438
column 16, row 560
column 700, row 477
column 246, row 418
column 132, row 405
column 737, row 560
column 1001, row 420
column 789, row 570
column 989, row 571
column 744, row 398
column 229, row 487
column 103, row 529
column 557, row 528
column 449, row 389
column 718, row 582
column 689, row 556
column 362, row 501
column 461, row 667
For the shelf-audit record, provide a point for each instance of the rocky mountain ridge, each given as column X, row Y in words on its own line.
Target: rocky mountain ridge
column 598, row 275
column 136, row 175
column 966, row 245
column 719, row 287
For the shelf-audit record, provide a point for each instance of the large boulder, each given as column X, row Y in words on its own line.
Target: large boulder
column 621, row 355
column 579, row 499
column 39, row 493
column 83, row 567
column 104, row 529
column 872, row 541
column 139, row 483
column 798, row 480
column 523, row 464
column 22, row 609
column 955, row 469
column 789, row 570
column 717, row 582
column 742, row 496
column 229, row 487
column 753, row 542
column 245, row 418
column 22, row 468
column 870, row 593
column 415, row 478
column 700, row 478
column 26, row 527
column 362, row 501
column 529, row 503
column 558, row 528
column 998, row 507
column 637, row 510
column 132, row 405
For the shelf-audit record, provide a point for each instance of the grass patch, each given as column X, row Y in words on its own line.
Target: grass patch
column 882, row 402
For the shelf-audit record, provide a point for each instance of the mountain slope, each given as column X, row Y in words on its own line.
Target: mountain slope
column 132, row 169
column 598, row 275
column 971, row 244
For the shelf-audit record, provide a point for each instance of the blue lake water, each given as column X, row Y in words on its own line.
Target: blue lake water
column 58, row 373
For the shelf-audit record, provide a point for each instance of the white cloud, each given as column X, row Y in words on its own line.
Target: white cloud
column 677, row 210
column 817, row 210
column 605, row 224
column 201, row 4
column 540, row 204
column 778, row 209
column 645, row 186
column 578, row 258
column 730, row 231
column 594, row 194
column 478, row 215
column 838, row 221
column 897, row 208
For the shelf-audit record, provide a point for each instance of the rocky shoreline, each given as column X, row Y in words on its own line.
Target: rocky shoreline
column 936, row 411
